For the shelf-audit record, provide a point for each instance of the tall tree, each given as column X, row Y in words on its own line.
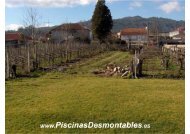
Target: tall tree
column 31, row 22
column 102, row 22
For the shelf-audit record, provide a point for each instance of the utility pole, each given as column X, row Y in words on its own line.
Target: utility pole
column 48, row 23
column 147, row 33
column 157, row 31
column 135, row 64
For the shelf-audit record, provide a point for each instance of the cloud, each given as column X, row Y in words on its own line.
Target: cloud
column 13, row 27
column 46, row 25
column 47, row 3
column 170, row 6
column 17, row 26
column 135, row 4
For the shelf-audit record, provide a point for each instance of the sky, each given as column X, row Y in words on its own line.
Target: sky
column 56, row 12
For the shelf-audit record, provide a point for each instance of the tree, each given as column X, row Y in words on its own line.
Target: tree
column 102, row 22
column 31, row 22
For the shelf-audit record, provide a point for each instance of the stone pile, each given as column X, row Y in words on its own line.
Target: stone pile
column 113, row 70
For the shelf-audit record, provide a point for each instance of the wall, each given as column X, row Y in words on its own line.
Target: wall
column 134, row 37
column 60, row 36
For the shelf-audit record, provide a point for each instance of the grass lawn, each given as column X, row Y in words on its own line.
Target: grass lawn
column 100, row 61
column 86, row 98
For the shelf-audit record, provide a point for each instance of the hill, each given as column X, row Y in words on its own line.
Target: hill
column 164, row 24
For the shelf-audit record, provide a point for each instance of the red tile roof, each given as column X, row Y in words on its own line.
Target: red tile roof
column 13, row 36
column 181, row 29
column 134, row 31
column 16, row 36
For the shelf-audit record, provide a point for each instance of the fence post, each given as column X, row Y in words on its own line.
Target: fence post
column 7, row 62
column 28, row 56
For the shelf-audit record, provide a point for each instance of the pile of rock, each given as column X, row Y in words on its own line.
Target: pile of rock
column 113, row 70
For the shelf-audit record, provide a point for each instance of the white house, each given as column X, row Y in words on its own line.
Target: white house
column 69, row 31
column 133, row 34
column 173, row 33
column 179, row 33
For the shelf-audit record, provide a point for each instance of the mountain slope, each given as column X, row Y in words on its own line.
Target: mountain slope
column 163, row 24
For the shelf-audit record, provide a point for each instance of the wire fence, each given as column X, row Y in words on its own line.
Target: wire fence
column 23, row 59
column 163, row 63
column 152, row 61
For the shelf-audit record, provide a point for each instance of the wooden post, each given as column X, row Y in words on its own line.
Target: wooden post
column 135, row 65
column 66, row 53
column 49, row 54
column 28, row 56
column 70, row 55
column 78, row 53
column 7, row 63
column 140, row 67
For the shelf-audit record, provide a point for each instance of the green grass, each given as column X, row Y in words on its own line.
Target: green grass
column 153, row 67
column 100, row 61
column 86, row 98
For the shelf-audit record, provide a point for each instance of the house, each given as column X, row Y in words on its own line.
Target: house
column 134, row 35
column 164, row 35
column 71, row 31
column 15, row 39
column 178, row 34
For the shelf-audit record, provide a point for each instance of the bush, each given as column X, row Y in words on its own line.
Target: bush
column 119, row 41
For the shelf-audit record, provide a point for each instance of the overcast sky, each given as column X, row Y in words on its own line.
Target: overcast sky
column 55, row 12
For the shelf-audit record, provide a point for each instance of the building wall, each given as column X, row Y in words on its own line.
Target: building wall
column 164, row 34
column 14, row 42
column 174, row 33
column 134, row 37
column 61, row 36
